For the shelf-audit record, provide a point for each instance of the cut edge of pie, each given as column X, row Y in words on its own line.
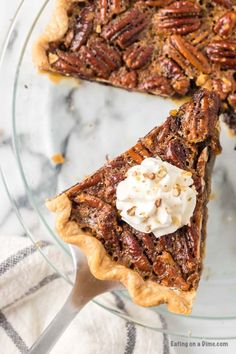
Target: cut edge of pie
column 143, row 292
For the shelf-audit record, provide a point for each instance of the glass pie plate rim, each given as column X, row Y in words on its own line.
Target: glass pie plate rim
column 19, row 12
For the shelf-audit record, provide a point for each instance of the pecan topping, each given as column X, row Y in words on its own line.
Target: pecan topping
column 101, row 58
column 137, row 56
column 111, row 7
column 179, row 81
column 83, row 28
column 126, row 29
column 181, row 17
column 190, row 53
column 131, row 211
column 70, row 63
column 223, row 53
column 157, row 85
column 226, row 24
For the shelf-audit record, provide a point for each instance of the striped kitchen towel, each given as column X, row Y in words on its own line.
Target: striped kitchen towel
column 32, row 292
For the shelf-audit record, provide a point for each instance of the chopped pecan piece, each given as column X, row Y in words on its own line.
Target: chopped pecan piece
column 179, row 81
column 111, row 7
column 83, row 28
column 102, row 58
column 137, row 56
column 226, row 24
column 223, row 53
column 126, row 29
column 158, row 85
column 190, row 53
column 181, row 17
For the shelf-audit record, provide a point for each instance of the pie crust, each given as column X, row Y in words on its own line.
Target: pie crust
column 143, row 292
column 54, row 31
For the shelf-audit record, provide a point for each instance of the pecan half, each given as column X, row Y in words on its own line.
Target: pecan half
column 111, row 7
column 223, row 53
column 137, row 153
column 158, row 85
column 199, row 116
column 190, row 54
column 181, row 17
column 126, row 29
column 100, row 217
column 101, row 58
column 168, row 272
column 134, row 252
column 221, row 87
column 137, row 56
column 179, row 81
column 157, row 3
column 125, row 77
column 70, row 63
column 176, row 153
column 83, row 28
column 226, row 24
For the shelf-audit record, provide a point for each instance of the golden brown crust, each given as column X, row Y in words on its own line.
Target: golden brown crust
column 54, row 31
column 144, row 293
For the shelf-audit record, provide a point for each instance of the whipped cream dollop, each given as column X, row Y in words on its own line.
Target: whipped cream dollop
column 156, row 197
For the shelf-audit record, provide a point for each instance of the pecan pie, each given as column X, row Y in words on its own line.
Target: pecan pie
column 163, row 47
column 154, row 270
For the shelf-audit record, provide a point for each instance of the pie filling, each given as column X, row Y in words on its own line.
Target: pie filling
column 162, row 47
column 188, row 140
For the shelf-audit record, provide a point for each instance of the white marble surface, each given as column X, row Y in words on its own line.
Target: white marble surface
column 84, row 125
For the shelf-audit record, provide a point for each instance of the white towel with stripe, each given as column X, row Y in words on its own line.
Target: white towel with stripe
column 32, row 293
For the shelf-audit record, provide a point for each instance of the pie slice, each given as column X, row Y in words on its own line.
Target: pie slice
column 160, row 263
column 163, row 47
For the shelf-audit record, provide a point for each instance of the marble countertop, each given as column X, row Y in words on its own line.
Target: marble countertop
column 93, row 123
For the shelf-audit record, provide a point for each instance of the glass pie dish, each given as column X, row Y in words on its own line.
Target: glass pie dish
column 46, row 117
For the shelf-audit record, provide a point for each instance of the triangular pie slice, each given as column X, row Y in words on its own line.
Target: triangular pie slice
column 155, row 270
column 157, row 46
